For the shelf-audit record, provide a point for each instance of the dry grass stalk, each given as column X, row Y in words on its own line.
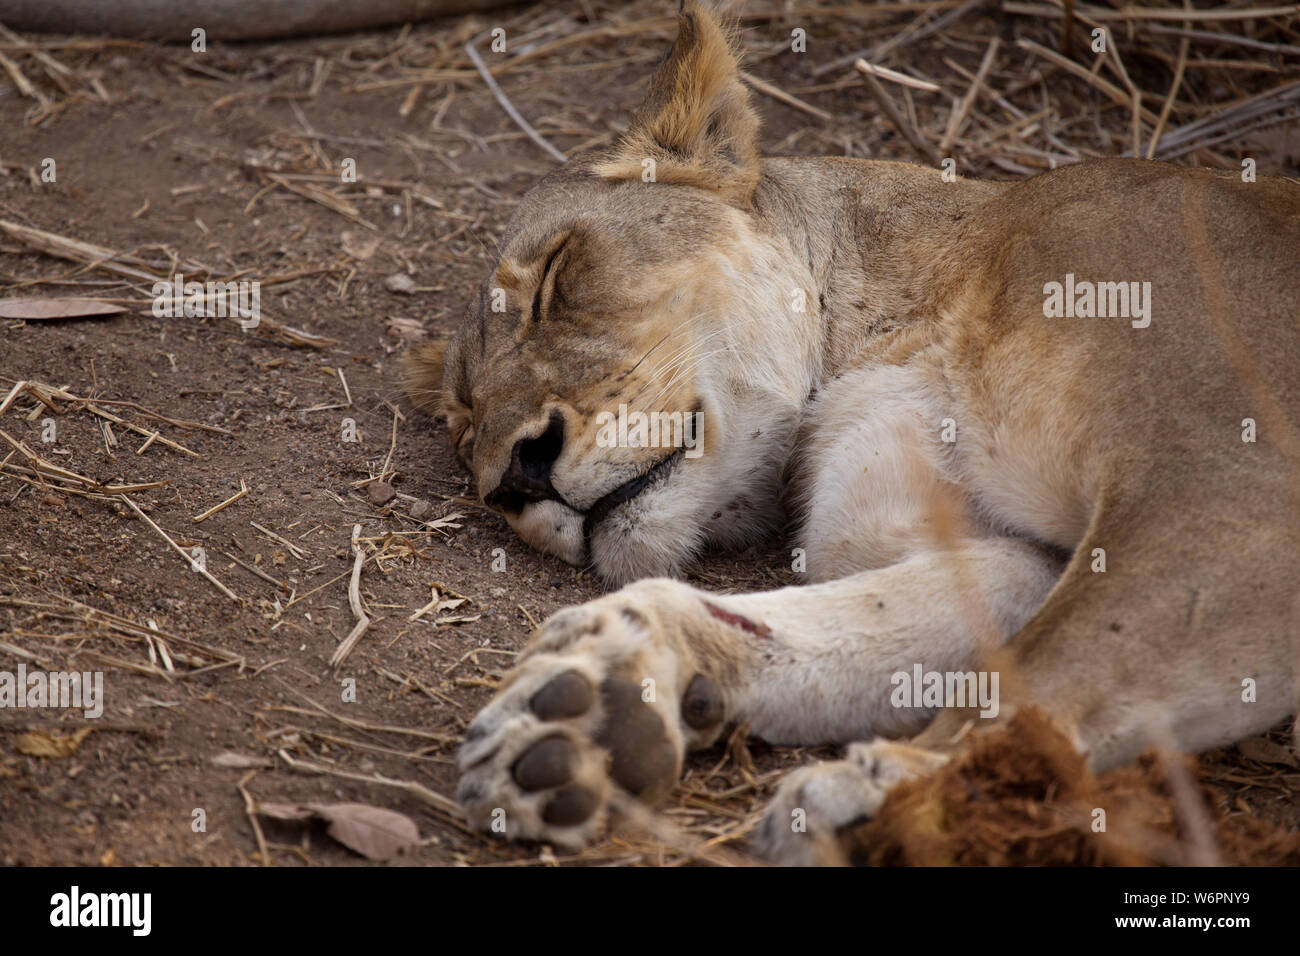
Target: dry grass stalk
column 902, row 79
column 509, row 107
column 962, row 112
column 774, row 91
column 354, row 601
column 194, row 565
column 432, row 798
column 243, row 491
column 914, row 138
column 1215, row 14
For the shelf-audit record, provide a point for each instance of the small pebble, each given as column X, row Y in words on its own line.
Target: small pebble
column 400, row 282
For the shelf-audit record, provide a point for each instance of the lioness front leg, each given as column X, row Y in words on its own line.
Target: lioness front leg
column 614, row 692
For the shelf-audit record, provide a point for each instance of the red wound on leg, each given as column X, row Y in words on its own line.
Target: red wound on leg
column 739, row 620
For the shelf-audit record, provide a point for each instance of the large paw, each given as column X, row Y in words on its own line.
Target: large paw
column 813, row 804
column 609, row 693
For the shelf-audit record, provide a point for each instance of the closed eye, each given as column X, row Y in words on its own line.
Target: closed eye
column 547, row 282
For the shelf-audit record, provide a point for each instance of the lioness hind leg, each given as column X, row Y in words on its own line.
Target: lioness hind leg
column 1193, row 644
column 813, row 804
column 1188, row 637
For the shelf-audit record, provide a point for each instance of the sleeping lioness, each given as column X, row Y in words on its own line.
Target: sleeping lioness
column 1038, row 435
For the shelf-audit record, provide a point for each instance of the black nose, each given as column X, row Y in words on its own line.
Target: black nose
column 529, row 476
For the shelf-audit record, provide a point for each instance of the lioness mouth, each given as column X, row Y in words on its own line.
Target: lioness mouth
column 626, row 492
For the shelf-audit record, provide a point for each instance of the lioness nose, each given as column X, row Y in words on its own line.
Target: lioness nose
column 529, row 476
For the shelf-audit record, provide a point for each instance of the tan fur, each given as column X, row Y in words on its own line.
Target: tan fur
column 696, row 124
column 828, row 316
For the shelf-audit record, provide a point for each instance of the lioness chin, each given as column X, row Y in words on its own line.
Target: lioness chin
column 1006, row 418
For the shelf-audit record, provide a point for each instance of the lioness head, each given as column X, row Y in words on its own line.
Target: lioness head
column 627, row 387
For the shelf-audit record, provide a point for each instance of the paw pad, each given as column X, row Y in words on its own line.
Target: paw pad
column 566, row 695
column 548, row 763
column 570, row 806
column 702, row 703
column 643, row 760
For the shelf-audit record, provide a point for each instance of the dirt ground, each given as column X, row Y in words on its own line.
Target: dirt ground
column 167, row 157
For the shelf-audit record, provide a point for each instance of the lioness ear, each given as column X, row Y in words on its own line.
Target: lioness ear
column 696, row 125
column 422, row 366
column 435, row 382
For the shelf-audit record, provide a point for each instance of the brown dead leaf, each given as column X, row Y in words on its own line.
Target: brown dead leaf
column 408, row 330
column 37, row 309
column 373, row 832
column 52, row 745
column 1266, row 751
column 284, row 811
column 358, row 245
